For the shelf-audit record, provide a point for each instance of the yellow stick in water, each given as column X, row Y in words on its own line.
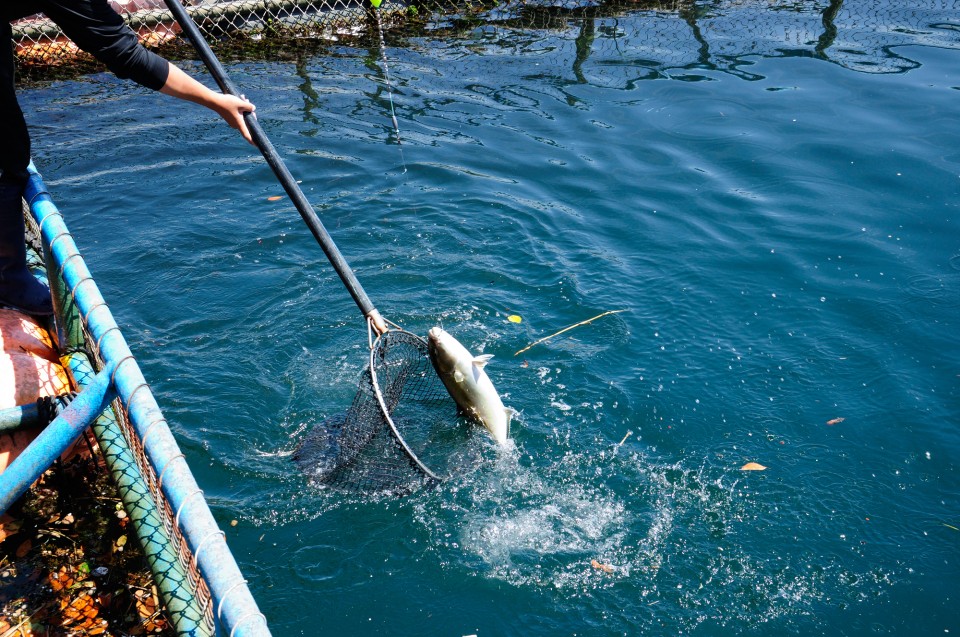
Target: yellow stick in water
column 567, row 329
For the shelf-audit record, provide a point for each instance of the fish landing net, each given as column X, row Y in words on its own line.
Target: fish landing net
column 401, row 432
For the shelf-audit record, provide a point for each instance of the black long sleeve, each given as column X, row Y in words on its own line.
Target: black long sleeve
column 97, row 29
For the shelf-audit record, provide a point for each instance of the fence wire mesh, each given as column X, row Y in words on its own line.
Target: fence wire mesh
column 859, row 34
column 186, row 597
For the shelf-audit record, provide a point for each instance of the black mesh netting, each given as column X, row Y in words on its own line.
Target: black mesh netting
column 401, row 432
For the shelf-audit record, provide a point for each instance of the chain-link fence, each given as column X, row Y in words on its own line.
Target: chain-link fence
column 186, row 598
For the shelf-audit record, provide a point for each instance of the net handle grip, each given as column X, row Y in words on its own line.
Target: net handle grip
column 276, row 164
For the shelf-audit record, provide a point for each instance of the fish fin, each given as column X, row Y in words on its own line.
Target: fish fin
column 458, row 376
column 482, row 359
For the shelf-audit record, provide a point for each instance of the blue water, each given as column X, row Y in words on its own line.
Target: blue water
column 771, row 195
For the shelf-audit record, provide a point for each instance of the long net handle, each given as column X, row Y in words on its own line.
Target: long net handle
column 276, row 164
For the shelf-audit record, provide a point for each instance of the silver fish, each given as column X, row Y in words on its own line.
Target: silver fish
column 469, row 386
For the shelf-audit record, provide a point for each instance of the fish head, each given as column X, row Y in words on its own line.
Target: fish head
column 446, row 352
column 462, row 374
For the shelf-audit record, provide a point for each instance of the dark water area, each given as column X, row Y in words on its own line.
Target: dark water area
column 769, row 192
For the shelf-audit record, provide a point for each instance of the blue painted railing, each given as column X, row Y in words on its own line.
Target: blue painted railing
column 234, row 610
column 56, row 438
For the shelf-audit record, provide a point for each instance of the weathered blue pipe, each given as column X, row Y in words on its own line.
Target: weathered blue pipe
column 182, row 607
column 234, row 606
column 20, row 417
column 56, row 438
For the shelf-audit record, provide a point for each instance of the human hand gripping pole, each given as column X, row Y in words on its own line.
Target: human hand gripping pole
column 374, row 319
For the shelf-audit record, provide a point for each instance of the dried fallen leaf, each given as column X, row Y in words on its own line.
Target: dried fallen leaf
column 752, row 466
column 513, row 318
column 61, row 579
column 148, row 607
column 835, row 421
column 8, row 527
column 275, row 198
column 600, row 566
column 24, row 548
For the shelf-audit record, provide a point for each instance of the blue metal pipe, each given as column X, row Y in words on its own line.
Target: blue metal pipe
column 20, row 417
column 179, row 595
column 56, row 438
column 235, row 607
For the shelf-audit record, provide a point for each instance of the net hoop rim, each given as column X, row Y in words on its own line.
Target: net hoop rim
column 383, row 407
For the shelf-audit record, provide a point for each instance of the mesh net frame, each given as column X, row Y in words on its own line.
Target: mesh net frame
column 401, row 432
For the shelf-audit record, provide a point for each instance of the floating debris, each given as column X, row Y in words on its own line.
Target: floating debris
column 567, row 329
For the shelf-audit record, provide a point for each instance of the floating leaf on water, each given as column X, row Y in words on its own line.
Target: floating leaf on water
column 600, row 566
column 835, row 421
column 275, row 198
column 753, row 466
column 513, row 318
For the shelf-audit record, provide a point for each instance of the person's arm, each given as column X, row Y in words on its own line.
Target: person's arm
column 97, row 29
column 229, row 107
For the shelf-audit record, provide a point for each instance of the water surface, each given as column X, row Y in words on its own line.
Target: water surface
column 770, row 193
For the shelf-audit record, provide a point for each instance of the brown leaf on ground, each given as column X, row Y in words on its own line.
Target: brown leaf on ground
column 24, row 548
column 8, row 526
column 61, row 580
column 148, row 607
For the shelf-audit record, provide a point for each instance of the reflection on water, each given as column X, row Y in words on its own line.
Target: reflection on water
column 681, row 40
